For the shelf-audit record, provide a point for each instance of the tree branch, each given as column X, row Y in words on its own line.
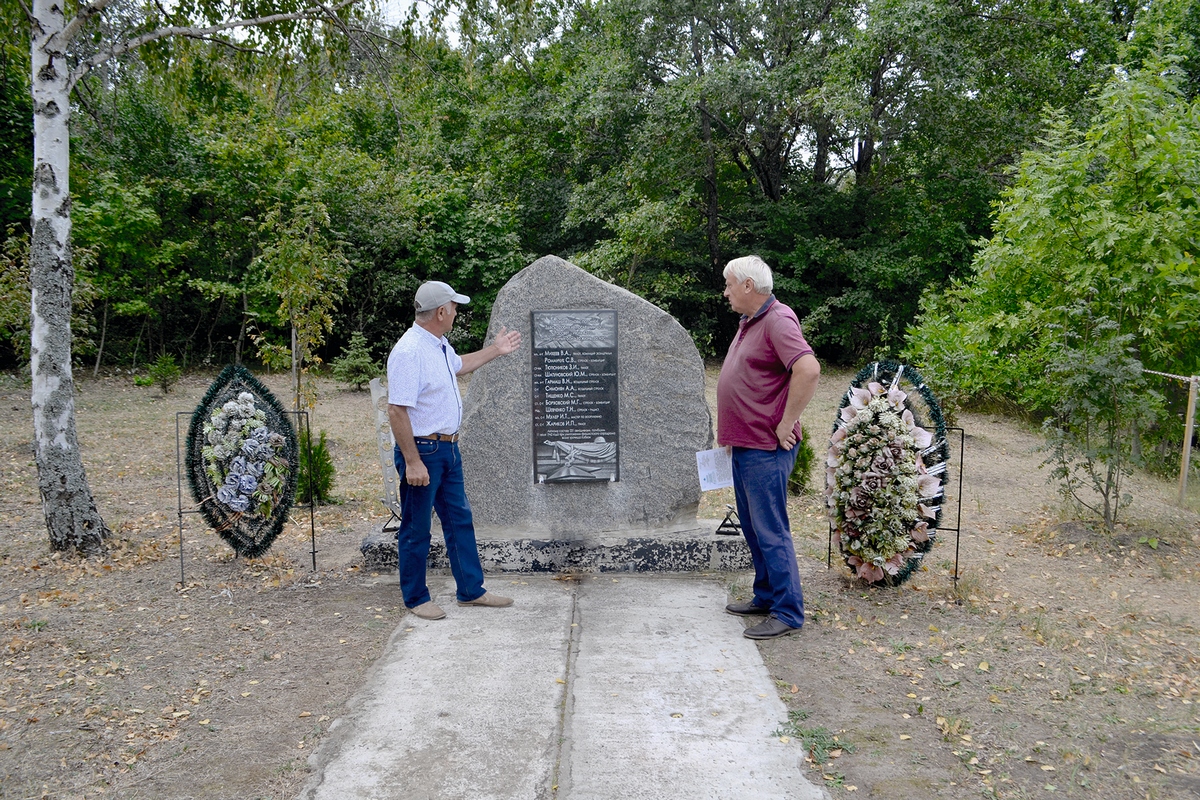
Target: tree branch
column 740, row 145
column 232, row 46
column 81, row 18
column 722, row 38
column 1015, row 20
column 373, row 56
column 368, row 33
column 190, row 32
column 90, row 108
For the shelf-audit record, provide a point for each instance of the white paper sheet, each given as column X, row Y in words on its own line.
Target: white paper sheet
column 715, row 468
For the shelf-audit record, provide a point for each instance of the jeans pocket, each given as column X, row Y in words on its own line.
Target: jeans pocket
column 426, row 447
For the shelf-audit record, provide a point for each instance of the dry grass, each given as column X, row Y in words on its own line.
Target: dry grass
column 117, row 678
column 1063, row 662
column 1062, row 657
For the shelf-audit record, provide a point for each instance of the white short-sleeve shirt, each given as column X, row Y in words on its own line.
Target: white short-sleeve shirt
column 421, row 371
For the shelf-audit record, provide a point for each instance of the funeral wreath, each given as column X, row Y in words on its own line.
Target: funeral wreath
column 885, row 473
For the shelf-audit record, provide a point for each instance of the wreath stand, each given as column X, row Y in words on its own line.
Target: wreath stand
column 731, row 525
column 300, row 417
column 962, row 438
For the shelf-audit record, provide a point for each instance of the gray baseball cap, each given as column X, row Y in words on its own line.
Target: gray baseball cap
column 433, row 294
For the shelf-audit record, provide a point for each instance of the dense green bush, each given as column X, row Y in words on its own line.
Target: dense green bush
column 355, row 366
column 164, row 372
column 314, row 484
column 802, row 470
column 1107, row 217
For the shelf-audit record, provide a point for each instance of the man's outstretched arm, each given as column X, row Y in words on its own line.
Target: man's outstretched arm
column 505, row 342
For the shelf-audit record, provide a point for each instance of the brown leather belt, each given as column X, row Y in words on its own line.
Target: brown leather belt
column 439, row 437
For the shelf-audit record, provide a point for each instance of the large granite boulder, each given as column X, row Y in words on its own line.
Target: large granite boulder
column 664, row 420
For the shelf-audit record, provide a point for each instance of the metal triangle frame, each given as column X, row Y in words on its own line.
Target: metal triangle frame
column 731, row 525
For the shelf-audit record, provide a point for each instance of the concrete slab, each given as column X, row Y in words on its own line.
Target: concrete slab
column 669, row 700
column 463, row 707
column 610, row 687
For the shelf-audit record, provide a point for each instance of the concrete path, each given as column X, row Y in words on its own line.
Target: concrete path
column 612, row 687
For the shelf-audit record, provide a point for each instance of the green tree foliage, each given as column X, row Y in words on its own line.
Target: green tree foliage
column 214, row 145
column 855, row 145
column 16, row 172
column 304, row 267
column 136, row 270
column 1177, row 19
column 16, row 124
column 14, row 292
column 15, row 296
column 1108, row 214
column 314, row 483
column 355, row 367
column 1101, row 397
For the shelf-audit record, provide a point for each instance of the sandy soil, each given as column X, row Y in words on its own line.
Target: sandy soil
column 1064, row 662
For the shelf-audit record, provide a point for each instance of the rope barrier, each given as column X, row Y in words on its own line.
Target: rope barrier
column 1184, row 378
column 1189, row 428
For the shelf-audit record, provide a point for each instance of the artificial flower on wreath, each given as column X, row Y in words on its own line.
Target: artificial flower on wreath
column 885, row 473
column 242, row 461
column 244, row 457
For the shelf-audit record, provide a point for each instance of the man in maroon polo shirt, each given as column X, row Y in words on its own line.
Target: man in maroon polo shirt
column 768, row 377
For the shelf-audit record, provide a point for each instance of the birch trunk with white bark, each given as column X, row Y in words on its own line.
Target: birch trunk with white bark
column 72, row 519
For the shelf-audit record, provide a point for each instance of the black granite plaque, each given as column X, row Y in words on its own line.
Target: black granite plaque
column 576, row 436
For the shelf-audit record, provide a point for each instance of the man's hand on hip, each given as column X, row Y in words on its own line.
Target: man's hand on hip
column 786, row 434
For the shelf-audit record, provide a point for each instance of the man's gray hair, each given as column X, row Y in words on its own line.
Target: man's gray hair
column 425, row 316
column 751, row 267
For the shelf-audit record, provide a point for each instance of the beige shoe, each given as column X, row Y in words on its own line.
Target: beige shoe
column 428, row 610
column 488, row 599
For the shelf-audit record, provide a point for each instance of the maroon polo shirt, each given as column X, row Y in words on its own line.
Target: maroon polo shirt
column 752, row 389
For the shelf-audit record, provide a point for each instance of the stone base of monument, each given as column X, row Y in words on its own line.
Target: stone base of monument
column 688, row 547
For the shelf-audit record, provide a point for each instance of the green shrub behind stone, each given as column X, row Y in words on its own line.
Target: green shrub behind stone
column 164, row 372
column 798, row 480
column 355, row 365
column 314, row 484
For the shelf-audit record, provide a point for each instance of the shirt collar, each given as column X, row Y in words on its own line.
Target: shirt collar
column 429, row 337
column 770, row 300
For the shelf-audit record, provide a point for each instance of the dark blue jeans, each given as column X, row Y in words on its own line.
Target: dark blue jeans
column 446, row 495
column 760, row 488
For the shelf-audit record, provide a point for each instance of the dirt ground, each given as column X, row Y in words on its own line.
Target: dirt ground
column 1065, row 662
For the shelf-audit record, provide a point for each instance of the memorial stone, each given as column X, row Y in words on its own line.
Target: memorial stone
column 661, row 422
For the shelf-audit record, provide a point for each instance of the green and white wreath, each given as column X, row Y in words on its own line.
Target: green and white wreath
column 886, row 473
column 242, row 461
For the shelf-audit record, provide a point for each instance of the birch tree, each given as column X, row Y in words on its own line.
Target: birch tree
column 66, row 44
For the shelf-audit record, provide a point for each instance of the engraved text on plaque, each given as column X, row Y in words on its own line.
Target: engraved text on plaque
column 575, row 431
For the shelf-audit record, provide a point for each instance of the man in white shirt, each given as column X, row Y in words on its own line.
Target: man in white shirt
column 425, row 411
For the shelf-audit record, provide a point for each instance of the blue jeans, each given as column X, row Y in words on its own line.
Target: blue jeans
column 447, row 495
column 760, row 480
